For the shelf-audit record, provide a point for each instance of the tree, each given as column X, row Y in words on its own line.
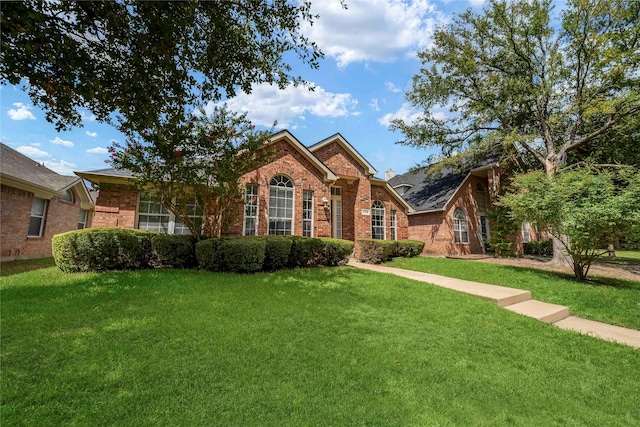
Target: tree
column 198, row 179
column 151, row 62
column 592, row 207
column 511, row 77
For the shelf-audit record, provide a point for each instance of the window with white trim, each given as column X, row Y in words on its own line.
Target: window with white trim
column 250, row 227
column 281, row 205
column 460, row 226
column 526, row 232
column 394, row 227
column 154, row 216
column 68, row 197
column 377, row 220
column 36, row 220
column 307, row 213
column 82, row 219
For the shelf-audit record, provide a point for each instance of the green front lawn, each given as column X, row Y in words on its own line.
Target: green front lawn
column 304, row 347
column 608, row 300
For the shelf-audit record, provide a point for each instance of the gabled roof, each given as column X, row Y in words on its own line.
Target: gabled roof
column 392, row 191
column 432, row 191
column 21, row 172
column 348, row 147
column 306, row 152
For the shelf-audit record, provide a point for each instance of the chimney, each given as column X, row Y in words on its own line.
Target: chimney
column 389, row 174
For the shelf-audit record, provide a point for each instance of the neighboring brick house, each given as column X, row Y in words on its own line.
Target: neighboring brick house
column 37, row 203
column 450, row 207
column 325, row 190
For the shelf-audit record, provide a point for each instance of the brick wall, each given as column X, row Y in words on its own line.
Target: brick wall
column 390, row 203
column 60, row 217
column 115, row 207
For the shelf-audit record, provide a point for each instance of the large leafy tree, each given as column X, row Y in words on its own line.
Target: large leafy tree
column 592, row 207
column 151, row 61
column 541, row 88
column 197, row 179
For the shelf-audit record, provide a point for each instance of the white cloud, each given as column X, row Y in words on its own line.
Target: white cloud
column 92, row 134
column 97, row 150
column 268, row 103
column 59, row 141
column 476, row 3
column 31, row 151
column 86, row 117
column 60, row 166
column 21, row 112
column 35, row 144
column 392, row 88
column 406, row 113
column 367, row 30
column 374, row 104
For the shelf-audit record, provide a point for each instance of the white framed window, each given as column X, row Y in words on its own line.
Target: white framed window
column 36, row 220
column 307, row 213
column 525, row 229
column 68, row 197
column 394, row 227
column 377, row 220
column 281, row 205
column 460, row 226
column 336, row 212
column 82, row 219
column 153, row 216
column 484, row 228
column 250, row 224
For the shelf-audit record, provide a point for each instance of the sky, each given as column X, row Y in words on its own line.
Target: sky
column 370, row 58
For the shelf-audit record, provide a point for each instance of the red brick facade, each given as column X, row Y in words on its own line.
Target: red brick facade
column 60, row 216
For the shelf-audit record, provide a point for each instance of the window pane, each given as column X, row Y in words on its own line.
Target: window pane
column 35, row 225
column 37, row 206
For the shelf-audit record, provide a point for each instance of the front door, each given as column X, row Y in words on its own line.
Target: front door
column 336, row 212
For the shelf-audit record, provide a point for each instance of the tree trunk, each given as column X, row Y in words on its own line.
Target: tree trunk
column 560, row 254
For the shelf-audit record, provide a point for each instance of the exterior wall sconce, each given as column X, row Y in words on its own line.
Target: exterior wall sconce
column 325, row 203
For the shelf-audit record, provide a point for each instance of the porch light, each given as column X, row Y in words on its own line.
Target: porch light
column 325, row 202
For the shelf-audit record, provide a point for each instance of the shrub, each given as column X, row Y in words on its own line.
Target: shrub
column 305, row 251
column 277, row 251
column 408, row 248
column 242, row 254
column 374, row 251
column 544, row 248
column 96, row 249
column 208, row 254
column 174, row 250
column 335, row 252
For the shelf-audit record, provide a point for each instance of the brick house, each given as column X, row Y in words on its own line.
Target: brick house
column 325, row 190
column 451, row 206
column 37, row 203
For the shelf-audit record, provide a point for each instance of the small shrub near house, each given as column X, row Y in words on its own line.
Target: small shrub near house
column 242, row 254
column 208, row 254
column 305, row 251
column 543, row 248
column 174, row 250
column 335, row 252
column 408, row 248
column 374, row 251
column 97, row 249
column 277, row 250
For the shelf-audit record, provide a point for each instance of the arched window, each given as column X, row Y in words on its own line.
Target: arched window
column 281, row 205
column 68, row 197
column 377, row 220
column 460, row 226
column 481, row 197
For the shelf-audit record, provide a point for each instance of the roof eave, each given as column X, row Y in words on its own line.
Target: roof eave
column 39, row 191
column 306, row 152
column 393, row 192
column 343, row 142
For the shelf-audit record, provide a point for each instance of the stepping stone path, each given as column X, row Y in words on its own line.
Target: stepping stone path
column 518, row 301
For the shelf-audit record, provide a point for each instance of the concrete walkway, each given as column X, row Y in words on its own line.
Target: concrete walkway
column 518, row 301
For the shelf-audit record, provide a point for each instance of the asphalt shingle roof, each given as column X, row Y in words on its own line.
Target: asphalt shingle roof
column 19, row 166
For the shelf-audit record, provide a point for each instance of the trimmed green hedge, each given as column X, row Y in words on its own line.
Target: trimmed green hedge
column 242, row 254
column 174, row 250
column 374, row 251
column 305, row 251
column 97, row 249
column 408, row 248
column 544, row 248
column 335, row 251
column 277, row 250
column 208, row 254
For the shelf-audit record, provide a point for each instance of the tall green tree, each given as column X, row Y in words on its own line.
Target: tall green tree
column 150, row 61
column 540, row 88
column 592, row 207
column 511, row 75
column 198, row 178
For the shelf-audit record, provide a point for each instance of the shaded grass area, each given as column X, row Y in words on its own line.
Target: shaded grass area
column 608, row 300
column 631, row 258
column 302, row 347
column 20, row 266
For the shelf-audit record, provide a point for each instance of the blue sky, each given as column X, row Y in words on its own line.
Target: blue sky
column 360, row 86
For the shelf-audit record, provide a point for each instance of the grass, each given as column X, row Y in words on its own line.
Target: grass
column 304, row 347
column 622, row 258
column 608, row 300
column 16, row 267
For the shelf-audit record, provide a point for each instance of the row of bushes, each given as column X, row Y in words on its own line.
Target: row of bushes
column 544, row 248
column 375, row 251
column 125, row 249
